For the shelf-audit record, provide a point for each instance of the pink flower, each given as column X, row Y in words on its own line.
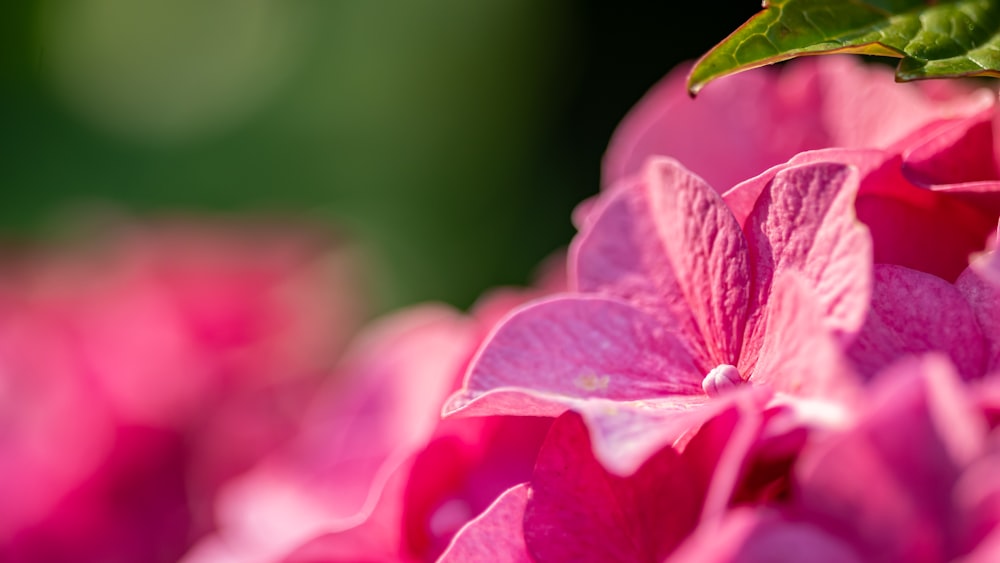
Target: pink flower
column 374, row 473
column 921, row 240
column 573, row 509
column 676, row 303
column 367, row 425
column 913, row 478
column 748, row 122
column 139, row 375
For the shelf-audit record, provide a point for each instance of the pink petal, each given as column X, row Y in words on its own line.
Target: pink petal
column 959, row 152
column 748, row 535
column 823, row 102
column 733, row 120
column 983, row 296
column 552, row 352
column 461, row 472
column 799, row 356
column 669, row 244
column 889, row 479
column 495, row 535
column 931, row 231
column 805, row 222
column 718, row 453
column 626, row 434
column 742, row 197
column 864, row 107
column 977, row 500
column 912, row 313
column 579, row 512
column 384, row 410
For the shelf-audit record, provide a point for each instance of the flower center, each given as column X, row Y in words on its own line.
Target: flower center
column 722, row 378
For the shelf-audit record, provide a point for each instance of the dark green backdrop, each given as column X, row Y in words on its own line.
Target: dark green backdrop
column 451, row 138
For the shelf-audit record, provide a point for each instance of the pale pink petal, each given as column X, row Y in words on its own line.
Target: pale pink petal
column 804, row 221
column 932, row 231
column 574, row 347
column 763, row 535
column 495, row 535
column 626, row 433
column 579, row 512
column 742, row 197
column 669, row 244
column 913, row 312
column 889, row 479
column 799, row 356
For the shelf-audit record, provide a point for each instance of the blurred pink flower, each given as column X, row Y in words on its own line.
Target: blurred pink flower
column 143, row 371
column 374, row 474
column 750, row 121
column 913, row 478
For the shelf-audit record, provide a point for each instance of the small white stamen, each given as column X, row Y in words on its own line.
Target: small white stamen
column 722, row 378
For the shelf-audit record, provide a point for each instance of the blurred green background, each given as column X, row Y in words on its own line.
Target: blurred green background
column 450, row 138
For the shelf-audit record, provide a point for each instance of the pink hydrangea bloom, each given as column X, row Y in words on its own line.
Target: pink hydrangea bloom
column 676, row 303
column 141, row 373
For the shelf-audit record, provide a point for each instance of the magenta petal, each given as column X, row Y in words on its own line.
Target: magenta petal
column 552, row 352
column 669, row 244
column 579, row 512
column 889, row 479
column 757, row 535
column 495, row 535
column 805, row 222
column 984, row 297
column 913, row 312
column 960, row 152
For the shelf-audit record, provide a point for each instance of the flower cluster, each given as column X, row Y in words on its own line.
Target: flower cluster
column 775, row 337
column 770, row 345
column 794, row 364
column 140, row 372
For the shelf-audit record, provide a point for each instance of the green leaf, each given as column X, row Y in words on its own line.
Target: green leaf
column 933, row 39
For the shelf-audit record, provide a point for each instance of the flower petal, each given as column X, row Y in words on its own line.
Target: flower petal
column 799, row 356
column 889, row 479
column 669, row 244
column 748, row 535
column 579, row 512
column 913, row 312
column 983, row 295
column 555, row 351
column 804, row 221
column 495, row 535
column 626, row 434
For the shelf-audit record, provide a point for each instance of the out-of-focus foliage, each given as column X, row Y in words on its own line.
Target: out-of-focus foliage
column 450, row 138
column 934, row 39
